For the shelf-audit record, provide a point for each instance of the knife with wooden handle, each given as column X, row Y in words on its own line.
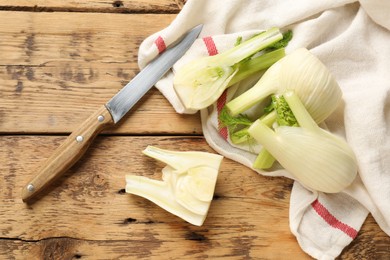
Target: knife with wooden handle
column 109, row 114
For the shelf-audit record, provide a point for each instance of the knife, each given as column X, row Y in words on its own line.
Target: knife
column 109, row 114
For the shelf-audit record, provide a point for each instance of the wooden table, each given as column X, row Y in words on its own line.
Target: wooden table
column 59, row 61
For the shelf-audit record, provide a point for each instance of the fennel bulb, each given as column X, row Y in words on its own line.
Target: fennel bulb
column 302, row 72
column 316, row 158
column 201, row 82
column 187, row 186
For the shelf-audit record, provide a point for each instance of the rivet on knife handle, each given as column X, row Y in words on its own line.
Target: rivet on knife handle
column 68, row 153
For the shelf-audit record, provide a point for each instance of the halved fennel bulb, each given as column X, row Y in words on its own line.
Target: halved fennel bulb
column 187, row 186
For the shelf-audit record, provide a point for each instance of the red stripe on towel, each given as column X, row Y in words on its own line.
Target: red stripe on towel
column 210, row 45
column 212, row 50
column 332, row 220
column 160, row 44
column 223, row 131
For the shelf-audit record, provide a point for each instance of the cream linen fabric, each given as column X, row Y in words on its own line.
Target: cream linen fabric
column 352, row 39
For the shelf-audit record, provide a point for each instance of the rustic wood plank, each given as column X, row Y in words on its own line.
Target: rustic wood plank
column 66, row 248
column 71, row 248
column 89, row 203
column 87, row 214
column 57, row 69
column 112, row 6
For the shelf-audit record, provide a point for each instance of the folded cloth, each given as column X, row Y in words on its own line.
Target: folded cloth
column 351, row 38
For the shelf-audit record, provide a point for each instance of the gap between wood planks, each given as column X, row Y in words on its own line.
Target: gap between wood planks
column 111, row 134
column 65, row 238
column 113, row 7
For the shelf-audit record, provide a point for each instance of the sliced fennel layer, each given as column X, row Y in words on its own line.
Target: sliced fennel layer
column 201, row 82
column 187, row 186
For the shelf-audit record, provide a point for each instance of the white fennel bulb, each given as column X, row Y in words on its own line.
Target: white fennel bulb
column 302, row 72
column 316, row 158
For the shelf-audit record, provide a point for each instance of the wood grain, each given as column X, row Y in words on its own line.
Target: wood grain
column 88, row 214
column 197, row 245
column 89, row 203
column 113, row 6
column 57, row 69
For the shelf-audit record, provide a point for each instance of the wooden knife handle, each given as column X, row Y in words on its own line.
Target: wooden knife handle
column 68, row 153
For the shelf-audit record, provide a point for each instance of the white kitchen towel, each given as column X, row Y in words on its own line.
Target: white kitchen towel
column 352, row 39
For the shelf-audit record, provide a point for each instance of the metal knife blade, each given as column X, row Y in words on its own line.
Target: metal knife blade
column 77, row 143
column 129, row 95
